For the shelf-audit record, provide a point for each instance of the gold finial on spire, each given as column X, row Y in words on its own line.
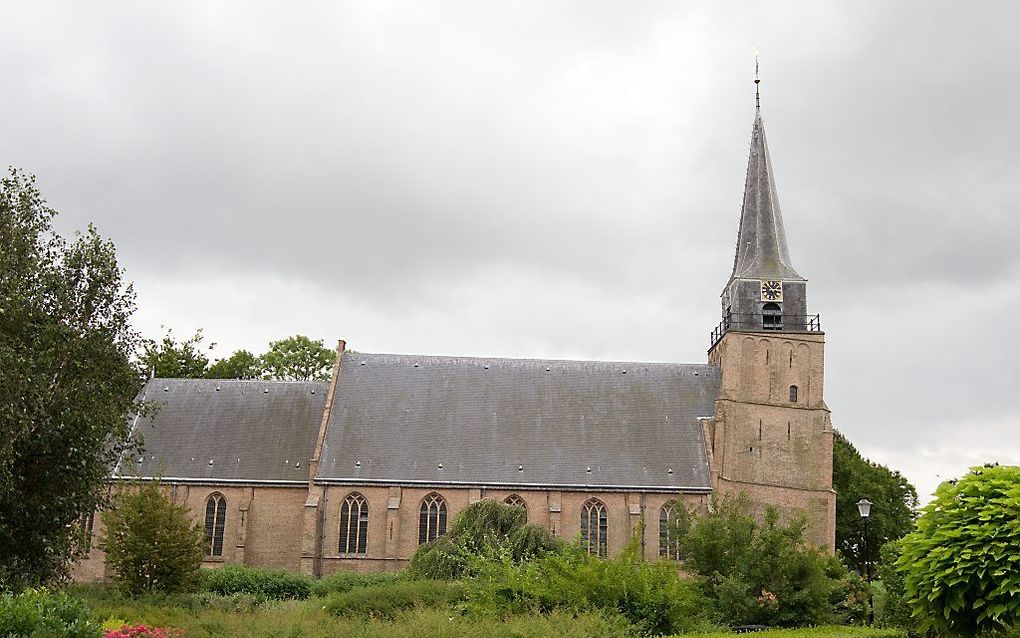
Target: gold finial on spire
column 757, row 81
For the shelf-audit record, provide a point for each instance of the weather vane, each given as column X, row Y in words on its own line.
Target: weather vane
column 757, row 80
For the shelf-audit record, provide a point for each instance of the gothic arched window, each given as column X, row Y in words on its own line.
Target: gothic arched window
column 516, row 501
column 431, row 518
column 771, row 317
column 793, row 394
column 354, row 524
column 215, row 517
column 669, row 534
column 594, row 527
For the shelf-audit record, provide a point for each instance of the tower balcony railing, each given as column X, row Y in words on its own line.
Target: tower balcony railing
column 765, row 322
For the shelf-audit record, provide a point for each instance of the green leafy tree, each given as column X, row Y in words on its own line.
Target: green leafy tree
column 169, row 358
column 240, row 365
column 66, row 381
column 759, row 572
column 297, row 358
column 150, row 541
column 961, row 566
column 895, row 501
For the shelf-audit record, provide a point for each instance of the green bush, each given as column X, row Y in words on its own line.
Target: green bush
column 961, row 566
column 269, row 583
column 760, row 573
column 150, row 541
column 651, row 595
column 346, row 581
column 891, row 606
column 385, row 601
column 482, row 529
column 42, row 613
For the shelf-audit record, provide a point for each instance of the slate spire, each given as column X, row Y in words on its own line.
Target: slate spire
column 761, row 252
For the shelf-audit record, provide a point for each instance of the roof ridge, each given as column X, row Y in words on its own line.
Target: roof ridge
column 425, row 357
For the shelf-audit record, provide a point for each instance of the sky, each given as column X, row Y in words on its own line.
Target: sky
column 552, row 179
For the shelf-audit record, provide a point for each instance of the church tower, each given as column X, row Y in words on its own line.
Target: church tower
column 771, row 435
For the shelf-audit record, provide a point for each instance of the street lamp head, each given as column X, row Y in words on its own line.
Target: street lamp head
column 864, row 507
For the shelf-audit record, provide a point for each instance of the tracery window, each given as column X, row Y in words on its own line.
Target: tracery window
column 354, row 525
column 215, row 517
column 669, row 535
column 431, row 518
column 594, row 527
column 516, row 501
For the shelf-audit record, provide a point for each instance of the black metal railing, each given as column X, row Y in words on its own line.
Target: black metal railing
column 766, row 322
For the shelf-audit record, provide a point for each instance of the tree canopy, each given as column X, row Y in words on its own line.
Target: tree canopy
column 67, row 385
column 169, row 358
column 297, row 358
column 895, row 499
column 960, row 565
column 240, row 365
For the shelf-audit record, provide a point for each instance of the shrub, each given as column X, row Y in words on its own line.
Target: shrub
column 481, row 529
column 759, row 573
column 960, row 564
column 891, row 606
column 385, row 601
column 652, row 596
column 346, row 581
column 150, row 541
column 42, row 613
column 274, row 584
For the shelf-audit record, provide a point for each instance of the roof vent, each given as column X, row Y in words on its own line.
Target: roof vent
column 166, row 388
column 217, row 387
column 357, row 464
column 210, row 461
column 669, row 471
column 140, row 459
column 416, row 365
column 548, row 369
column 298, row 464
column 440, row 466
column 313, row 390
column 588, row 469
column 362, row 363
column 520, row 468
column 485, row 367
column 625, row 372
column 695, row 373
column 266, row 391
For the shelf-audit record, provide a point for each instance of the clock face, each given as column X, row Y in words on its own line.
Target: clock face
column 771, row 291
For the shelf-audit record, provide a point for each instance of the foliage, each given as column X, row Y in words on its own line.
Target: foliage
column 961, row 566
column 42, row 613
column 274, row 584
column 830, row 631
column 240, row 365
column 851, row 596
column 891, row 606
column 482, row 529
column 895, row 500
column 385, row 601
column 150, row 541
column 67, row 384
column 144, row 631
column 759, row 573
column 651, row 595
column 297, row 358
column 346, row 581
column 169, row 358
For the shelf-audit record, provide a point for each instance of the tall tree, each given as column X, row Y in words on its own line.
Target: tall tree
column 169, row 358
column 66, row 381
column 895, row 501
column 297, row 358
column 240, row 365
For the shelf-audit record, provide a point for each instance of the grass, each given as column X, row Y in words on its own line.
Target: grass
column 208, row 615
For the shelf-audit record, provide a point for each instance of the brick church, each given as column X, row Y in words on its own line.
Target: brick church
column 355, row 473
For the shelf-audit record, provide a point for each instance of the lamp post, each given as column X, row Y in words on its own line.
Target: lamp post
column 864, row 507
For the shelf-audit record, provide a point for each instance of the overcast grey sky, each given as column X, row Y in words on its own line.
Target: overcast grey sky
column 552, row 179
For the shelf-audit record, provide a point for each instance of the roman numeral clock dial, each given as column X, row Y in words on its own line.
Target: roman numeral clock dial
column 771, row 291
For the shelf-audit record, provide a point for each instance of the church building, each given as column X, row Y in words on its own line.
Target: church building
column 356, row 473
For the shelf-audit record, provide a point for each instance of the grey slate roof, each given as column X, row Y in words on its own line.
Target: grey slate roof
column 517, row 422
column 761, row 252
column 250, row 430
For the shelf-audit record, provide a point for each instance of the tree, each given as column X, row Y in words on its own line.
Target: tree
column 150, row 541
column 895, row 500
column 240, row 365
column 66, row 381
column 960, row 565
column 170, row 359
column 297, row 358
